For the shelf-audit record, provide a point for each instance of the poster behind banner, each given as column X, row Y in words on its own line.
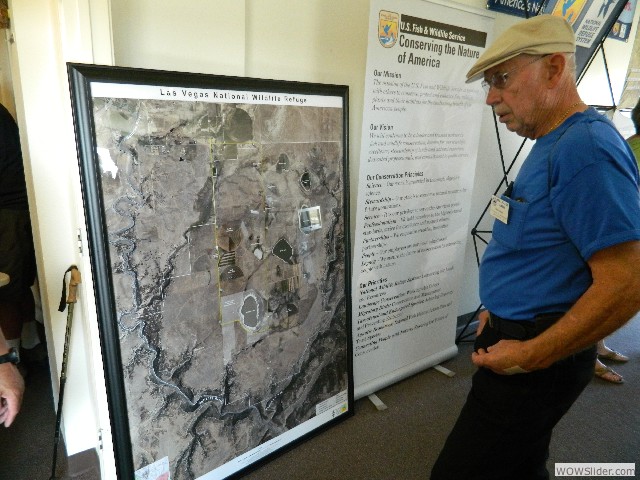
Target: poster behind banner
column 622, row 27
column 518, row 8
column 421, row 127
column 591, row 21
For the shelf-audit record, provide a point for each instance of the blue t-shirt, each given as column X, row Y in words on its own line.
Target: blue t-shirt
column 576, row 193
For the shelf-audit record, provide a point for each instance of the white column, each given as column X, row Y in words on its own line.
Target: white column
column 46, row 35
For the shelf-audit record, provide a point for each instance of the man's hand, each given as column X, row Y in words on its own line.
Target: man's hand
column 11, row 393
column 483, row 318
column 507, row 357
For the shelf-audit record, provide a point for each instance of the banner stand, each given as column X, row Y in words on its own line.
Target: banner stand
column 420, row 136
column 400, row 374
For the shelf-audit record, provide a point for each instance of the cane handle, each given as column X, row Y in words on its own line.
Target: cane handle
column 73, row 284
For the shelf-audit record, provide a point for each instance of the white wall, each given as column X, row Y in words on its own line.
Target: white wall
column 47, row 34
column 49, row 164
column 315, row 40
column 186, row 36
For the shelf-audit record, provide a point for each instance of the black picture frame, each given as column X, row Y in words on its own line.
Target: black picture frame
column 217, row 213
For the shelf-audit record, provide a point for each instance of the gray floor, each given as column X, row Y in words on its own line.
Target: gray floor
column 403, row 441
column 26, row 448
column 400, row 442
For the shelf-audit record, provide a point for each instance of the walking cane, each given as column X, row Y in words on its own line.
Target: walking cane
column 74, row 280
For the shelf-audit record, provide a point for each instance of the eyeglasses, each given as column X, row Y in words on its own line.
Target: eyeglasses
column 499, row 80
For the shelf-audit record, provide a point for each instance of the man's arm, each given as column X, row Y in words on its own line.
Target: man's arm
column 612, row 299
column 11, row 387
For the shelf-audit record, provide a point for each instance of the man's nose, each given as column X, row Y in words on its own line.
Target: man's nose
column 493, row 96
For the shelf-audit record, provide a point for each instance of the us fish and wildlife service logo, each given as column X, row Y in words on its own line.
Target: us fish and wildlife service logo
column 388, row 28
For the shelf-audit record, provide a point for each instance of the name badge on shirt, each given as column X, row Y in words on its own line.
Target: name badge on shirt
column 499, row 209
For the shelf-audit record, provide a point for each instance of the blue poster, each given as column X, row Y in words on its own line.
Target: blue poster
column 519, row 8
column 591, row 21
column 622, row 28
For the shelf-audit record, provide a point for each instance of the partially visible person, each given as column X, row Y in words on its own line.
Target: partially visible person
column 17, row 257
column 11, row 385
column 634, row 140
column 561, row 270
column 604, row 371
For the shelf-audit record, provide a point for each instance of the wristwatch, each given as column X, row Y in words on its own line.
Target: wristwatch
column 12, row 356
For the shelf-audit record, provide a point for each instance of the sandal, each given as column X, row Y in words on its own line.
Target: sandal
column 614, row 356
column 608, row 374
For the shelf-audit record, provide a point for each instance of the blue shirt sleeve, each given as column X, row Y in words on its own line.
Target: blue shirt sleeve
column 594, row 191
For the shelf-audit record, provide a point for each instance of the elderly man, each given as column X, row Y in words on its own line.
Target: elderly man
column 560, row 272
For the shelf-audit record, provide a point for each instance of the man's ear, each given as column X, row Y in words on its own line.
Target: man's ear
column 556, row 64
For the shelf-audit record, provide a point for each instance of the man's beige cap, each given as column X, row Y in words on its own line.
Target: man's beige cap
column 537, row 35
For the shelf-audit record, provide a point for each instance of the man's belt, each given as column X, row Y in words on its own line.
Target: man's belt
column 523, row 329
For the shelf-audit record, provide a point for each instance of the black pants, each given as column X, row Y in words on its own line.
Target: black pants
column 17, row 257
column 504, row 429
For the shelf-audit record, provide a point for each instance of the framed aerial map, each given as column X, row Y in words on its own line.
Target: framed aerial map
column 217, row 219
